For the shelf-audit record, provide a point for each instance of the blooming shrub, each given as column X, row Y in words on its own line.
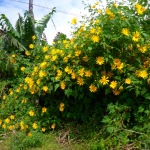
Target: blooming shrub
column 106, row 61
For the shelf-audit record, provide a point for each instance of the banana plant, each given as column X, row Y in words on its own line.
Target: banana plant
column 20, row 36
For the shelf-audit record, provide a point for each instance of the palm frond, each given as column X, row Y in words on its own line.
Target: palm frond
column 19, row 25
column 42, row 24
column 6, row 26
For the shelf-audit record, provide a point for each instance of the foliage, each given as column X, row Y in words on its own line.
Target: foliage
column 100, row 76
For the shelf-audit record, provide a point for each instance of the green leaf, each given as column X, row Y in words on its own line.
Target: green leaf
column 89, row 48
column 56, row 87
column 110, row 129
column 147, row 96
column 68, row 92
column 107, row 91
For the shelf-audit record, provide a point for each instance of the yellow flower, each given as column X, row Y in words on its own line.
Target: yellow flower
column 12, row 60
column 25, row 87
column 43, row 129
column 12, row 117
column 43, row 64
column 35, row 69
column 99, row 11
column 13, row 55
column 85, row 58
column 11, row 93
column 125, row 31
column 47, row 56
column 54, row 58
column 73, row 75
column 80, row 81
column 34, row 126
column 22, row 68
column 10, row 127
column 65, row 59
column 7, row 120
column 4, row 126
column 18, row 90
column 111, row 16
column 136, row 36
column 21, row 123
column 120, row 66
column 99, row 60
column 4, row 97
column 93, row 6
column 53, row 126
column 29, row 134
column 24, row 101
column 104, row 80
column 31, row 113
column 45, row 49
column 45, row 88
column 116, row 61
column 115, row 5
column 31, row 46
column 116, row 92
column 42, row 74
column 66, row 69
column 140, row 9
column 44, row 109
column 128, row 81
column 92, row 88
column 77, row 53
column 95, row 38
column 88, row 73
column 93, row 30
column 74, row 21
column 97, row 3
column 32, row 91
column 59, row 73
column 22, row 127
column 38, row 82
column 138, row 6
column 108, row 12
column 62, row 104
column 143, row 74
column 142, row 49
column 61, row 109
column 81, row 72
column 27, row 53
column 33, row 37
column 113, row 84
column 62, row 85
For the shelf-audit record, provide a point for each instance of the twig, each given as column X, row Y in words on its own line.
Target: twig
column 135, row 132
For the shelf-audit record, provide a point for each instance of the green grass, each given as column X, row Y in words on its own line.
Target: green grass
column 50, row 142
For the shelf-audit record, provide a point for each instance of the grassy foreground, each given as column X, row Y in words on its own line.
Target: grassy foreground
column 50, row 141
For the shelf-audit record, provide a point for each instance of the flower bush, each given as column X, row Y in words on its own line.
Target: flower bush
column 106, row 61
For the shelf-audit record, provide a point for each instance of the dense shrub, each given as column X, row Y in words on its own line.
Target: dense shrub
column 104, row 66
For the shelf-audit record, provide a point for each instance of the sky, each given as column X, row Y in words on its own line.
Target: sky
column 62, row 21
